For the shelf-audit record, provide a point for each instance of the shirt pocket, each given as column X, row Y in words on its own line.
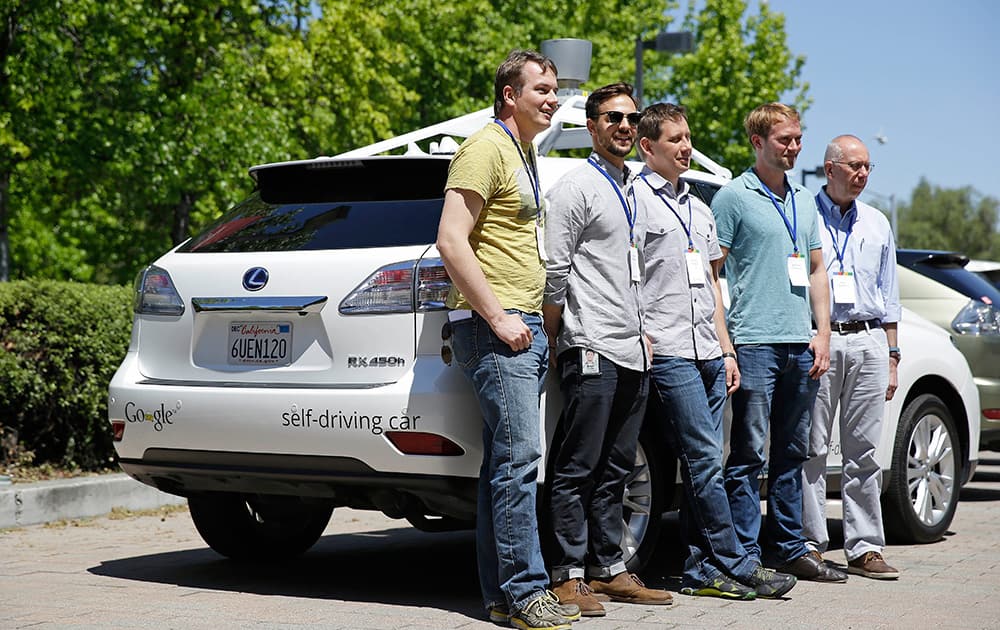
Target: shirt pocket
column 867, row 264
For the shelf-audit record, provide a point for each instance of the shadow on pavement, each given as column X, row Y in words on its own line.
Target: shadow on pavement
column 393, row 566
column 974, row 493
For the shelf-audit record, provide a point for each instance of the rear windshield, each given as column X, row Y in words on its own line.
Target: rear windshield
column 345, row 205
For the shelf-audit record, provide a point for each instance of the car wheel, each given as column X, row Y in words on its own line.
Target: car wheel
column 922, row 490
column 645, row 496
column 251, row 527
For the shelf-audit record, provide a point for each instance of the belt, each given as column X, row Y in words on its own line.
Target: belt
column 845, row 328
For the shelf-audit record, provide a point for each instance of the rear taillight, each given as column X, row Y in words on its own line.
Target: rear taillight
column 155, row 293
column 394, row 289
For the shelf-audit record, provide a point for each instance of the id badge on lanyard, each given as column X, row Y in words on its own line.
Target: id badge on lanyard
column 695, row 268
column 797, row 272
column 633, row 264
column 843, row 288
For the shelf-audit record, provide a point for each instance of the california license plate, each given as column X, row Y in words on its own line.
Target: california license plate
column 260, row 343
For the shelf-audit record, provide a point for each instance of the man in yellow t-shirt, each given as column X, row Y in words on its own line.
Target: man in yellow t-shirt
column 489, row 240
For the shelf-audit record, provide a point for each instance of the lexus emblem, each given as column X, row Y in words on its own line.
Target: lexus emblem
column 255, row 278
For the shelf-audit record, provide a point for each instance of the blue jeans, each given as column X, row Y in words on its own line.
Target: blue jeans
column 508, row 385
column 776, row 390
column 593, row 453
column 692, row 396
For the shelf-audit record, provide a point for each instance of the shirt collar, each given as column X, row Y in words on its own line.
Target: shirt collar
column 832, row 211
column 753, row 182
column 660, row 183
column 620, row 175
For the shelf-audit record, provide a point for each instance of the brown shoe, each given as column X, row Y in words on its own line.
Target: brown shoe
column 871, row 565
column 576, row 591
column 810, row 566
column 627, row 587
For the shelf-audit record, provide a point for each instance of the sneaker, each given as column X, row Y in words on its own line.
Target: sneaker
column 541, row 613
column 627, row 587
column 500, row 613
column 871, row 565
column 768, row 583
column 567, row 610
column 721, row 588
column 810, row 566
column 576, row 591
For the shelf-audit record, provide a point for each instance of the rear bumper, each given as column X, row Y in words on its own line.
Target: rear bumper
column 343, row 480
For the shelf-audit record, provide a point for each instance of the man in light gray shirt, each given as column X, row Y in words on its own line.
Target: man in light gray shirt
column 694, row 364
column 592, row 308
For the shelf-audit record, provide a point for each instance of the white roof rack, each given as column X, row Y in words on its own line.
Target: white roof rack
column 568, row 131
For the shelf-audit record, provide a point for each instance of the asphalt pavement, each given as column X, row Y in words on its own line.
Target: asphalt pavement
column 372, row 572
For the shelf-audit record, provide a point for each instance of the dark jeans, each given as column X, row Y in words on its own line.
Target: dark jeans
column 775, row 391
column 692, row 396
column 594, row 452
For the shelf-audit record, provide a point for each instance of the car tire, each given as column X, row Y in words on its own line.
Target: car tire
column 646, row 494
column 258, row 528
column 922, row 489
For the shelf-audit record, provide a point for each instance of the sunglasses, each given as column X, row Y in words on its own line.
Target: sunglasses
column 615, row 118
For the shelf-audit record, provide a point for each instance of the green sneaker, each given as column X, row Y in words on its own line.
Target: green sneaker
column 721, row 588
column 543, row 613
column 768, row 583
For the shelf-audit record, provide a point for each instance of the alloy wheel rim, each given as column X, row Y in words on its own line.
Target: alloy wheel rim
column 930, row 470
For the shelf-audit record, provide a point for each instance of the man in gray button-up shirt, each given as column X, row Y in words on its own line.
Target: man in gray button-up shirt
column 592, row 315
column 694, row 366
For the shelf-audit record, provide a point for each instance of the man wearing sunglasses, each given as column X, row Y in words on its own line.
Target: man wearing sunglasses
column 860, row 256
column 593, row 318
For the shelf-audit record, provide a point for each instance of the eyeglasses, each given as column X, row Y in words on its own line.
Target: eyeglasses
column 857, row 166
column 615, row 118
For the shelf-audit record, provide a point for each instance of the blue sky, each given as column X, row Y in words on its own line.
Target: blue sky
column 924, row 74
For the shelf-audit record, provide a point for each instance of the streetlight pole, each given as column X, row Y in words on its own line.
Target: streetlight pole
column 682, row 41
column 816, row 172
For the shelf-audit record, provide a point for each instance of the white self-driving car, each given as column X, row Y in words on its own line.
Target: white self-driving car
column 289, row 360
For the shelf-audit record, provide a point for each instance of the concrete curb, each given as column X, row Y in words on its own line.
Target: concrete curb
column 81, row 497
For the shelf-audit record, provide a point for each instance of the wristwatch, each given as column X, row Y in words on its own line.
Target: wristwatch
column 894, row 353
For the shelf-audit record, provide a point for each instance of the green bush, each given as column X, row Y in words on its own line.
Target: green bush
column 62, row 342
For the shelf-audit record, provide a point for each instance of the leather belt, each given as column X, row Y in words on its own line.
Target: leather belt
column 845, row 328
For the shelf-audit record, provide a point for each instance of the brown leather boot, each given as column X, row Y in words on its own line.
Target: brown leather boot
column 627, row 587
column 576, row 591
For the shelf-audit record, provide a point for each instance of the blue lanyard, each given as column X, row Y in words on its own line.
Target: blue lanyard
column 663, row 198
column 839, row 251
column 629, row 216
column 793, row 228
column 532, row 169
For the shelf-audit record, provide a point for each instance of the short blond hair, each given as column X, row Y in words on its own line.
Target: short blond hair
column 761, row 119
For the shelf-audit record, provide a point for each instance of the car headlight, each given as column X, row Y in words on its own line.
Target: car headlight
column 977, row 318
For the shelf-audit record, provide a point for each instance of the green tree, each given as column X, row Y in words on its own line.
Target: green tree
column 739, row 62
column 957, row 219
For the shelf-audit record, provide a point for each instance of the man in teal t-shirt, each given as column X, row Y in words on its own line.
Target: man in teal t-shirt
column 773, row 255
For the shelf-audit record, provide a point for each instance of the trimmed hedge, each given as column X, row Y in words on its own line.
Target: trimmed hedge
column 62, row 342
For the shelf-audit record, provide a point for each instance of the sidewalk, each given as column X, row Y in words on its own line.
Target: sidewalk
column 81, row 497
